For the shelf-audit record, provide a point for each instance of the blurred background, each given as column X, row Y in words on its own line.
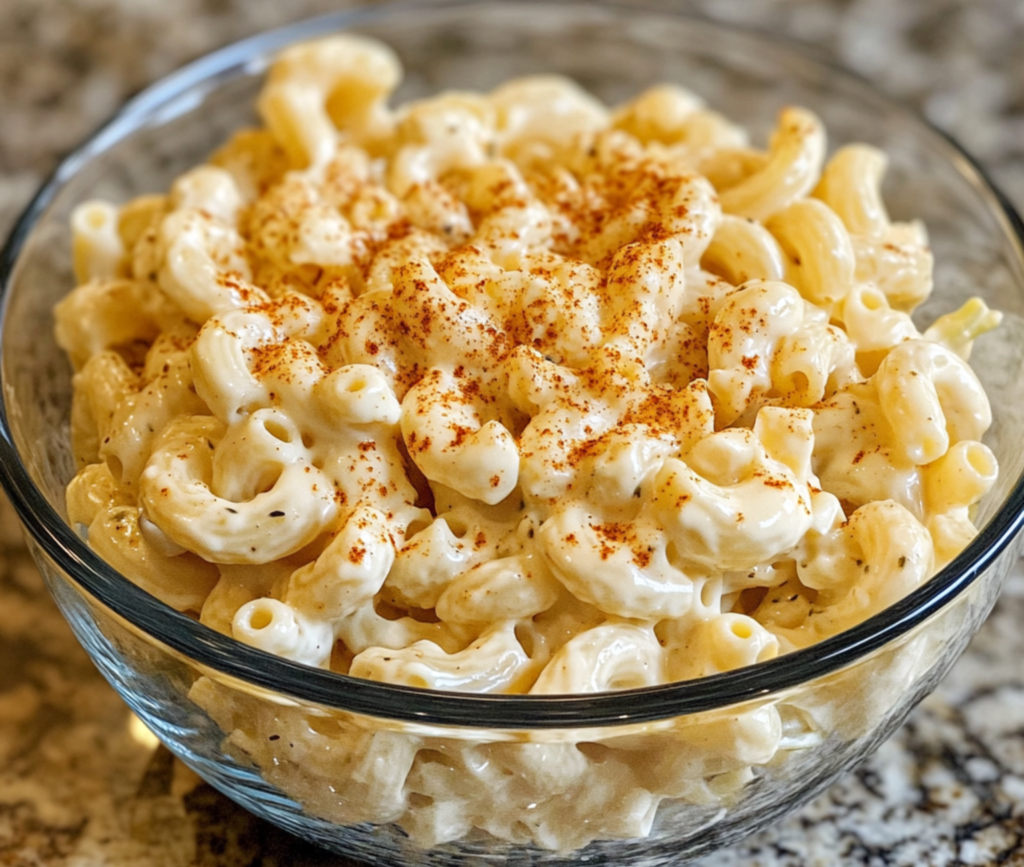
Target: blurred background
column 65, row 65
column 82, row 783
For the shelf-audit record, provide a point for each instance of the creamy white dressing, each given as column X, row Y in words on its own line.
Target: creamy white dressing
column 467, row 395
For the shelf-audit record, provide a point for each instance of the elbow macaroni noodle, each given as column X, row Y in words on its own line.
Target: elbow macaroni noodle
column 509, row 393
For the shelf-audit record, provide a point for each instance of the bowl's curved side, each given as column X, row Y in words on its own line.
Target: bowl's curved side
column 701, row 791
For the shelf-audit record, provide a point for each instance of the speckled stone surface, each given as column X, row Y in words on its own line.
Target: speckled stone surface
column 81, row 785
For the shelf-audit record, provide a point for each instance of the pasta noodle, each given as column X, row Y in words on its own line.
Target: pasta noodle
column 514, row 393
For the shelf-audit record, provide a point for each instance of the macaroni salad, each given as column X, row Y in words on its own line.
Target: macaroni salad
column 515, row 393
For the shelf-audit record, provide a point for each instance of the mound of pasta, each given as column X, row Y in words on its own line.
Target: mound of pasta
column 515, row 393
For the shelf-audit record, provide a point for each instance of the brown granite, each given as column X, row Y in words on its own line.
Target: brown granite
column 80, row 785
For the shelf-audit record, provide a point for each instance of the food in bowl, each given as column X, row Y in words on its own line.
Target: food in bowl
column 514, row 393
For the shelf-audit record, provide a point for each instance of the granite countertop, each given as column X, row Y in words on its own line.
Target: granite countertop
column 82, row 783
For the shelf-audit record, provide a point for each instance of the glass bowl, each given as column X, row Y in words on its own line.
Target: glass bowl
column 647, row 776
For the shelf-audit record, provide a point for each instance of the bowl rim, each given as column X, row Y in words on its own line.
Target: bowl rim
column 216, row 652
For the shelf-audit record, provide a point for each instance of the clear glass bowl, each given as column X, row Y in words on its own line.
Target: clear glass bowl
column 305, row 748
